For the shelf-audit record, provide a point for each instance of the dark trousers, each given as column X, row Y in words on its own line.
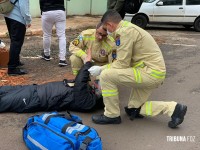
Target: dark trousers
column 17, row 32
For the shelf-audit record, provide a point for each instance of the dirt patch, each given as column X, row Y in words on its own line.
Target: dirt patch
column 159, row 40
column 11, row 80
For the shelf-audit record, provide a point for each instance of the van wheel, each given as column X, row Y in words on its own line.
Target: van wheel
column 197, row 25
column 140, row 21
column 187, row 26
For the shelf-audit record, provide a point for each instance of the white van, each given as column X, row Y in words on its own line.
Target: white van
column 181, row 12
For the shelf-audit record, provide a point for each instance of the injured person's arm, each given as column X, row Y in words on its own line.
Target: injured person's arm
column 85, row 98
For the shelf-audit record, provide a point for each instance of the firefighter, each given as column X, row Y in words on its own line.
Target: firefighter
column 139, row 64
column 97, row 40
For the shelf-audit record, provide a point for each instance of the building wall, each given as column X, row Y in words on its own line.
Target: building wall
column 75, row 7
column 34, row 8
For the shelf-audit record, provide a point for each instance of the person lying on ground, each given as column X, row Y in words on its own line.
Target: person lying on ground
column 53, row 96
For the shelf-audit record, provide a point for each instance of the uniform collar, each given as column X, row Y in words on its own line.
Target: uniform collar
column 120, row 24
column 118, row 28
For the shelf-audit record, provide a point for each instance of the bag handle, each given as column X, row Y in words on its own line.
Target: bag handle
column 85, row 143
column 67, row 116
column 51, row 116
column 64, row 128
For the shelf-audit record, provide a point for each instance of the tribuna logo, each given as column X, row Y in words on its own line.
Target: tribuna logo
column 180, row 138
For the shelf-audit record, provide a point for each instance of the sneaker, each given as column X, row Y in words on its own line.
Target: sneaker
column 62, row 63
column 102, row 119
column 2, row 45
column 177, row 116
column 43, row 56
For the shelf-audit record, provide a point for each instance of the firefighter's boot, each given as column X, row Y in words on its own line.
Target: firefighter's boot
column 133, row 112
column 177, row 116
column 102, row 119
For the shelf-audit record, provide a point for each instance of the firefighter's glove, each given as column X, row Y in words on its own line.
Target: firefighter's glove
column 95, row 70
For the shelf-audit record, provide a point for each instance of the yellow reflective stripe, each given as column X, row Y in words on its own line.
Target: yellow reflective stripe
column 148, row 108
column 80, row 53
column 139, row 65
column 111, row 38
column 89, row 38
column 125, row 24
column 109, row 93
column 106, row 45
column 108, row 66
column 158, row 74
column 137, row 75
column 75, row 72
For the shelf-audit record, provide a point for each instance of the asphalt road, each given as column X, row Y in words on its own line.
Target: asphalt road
column 181, row 50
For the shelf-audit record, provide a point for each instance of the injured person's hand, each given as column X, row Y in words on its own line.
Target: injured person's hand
column 89, row 55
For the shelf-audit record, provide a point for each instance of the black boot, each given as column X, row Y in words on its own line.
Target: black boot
column 133, row 112
column 177, row 116
column 20, row 64
column 16, row 71
column 102, row 119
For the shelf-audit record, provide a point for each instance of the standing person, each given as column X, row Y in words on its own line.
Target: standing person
column 17, row 21
column 53, row 13
column 117, row 5
column 97, row 41
column 139, row 64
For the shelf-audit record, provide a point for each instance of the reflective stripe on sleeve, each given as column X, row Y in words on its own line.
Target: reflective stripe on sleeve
column 75, row 72
column 88, row 38
column 158, row 74
column 80, row 53
column 148, row 108
column 109, row 93
column 108, row 66
column 139, row 65
column 137, row 75
column 154, row 73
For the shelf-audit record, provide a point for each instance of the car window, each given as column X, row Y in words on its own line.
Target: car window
column 148, row 1
column 193, row 2
column 172, row 2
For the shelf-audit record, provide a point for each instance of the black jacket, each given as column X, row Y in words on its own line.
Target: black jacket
column 51, row 96
column 49, row 5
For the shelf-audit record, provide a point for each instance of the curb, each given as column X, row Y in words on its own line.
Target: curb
column 72, row 22
column 38, row 32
